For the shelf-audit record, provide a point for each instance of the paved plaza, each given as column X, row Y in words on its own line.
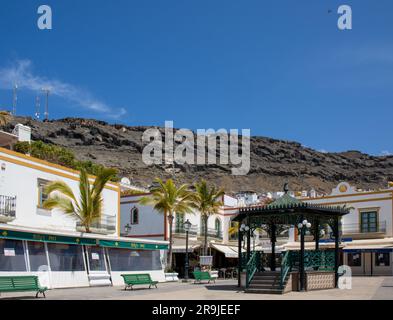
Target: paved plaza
column 367, row 288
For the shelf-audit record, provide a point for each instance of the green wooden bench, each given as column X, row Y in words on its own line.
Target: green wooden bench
column 21, row 283
column 203, row 275
column 135, row 279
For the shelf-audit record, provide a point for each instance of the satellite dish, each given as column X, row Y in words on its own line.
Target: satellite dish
column 125, row 180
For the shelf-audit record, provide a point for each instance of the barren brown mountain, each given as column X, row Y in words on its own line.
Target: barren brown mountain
column 273, row 162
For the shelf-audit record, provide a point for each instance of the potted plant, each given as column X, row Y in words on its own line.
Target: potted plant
column 171, row 275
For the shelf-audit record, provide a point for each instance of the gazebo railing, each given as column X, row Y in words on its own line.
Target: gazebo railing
column 322, row 260
column 253, row 265
column 286, row 267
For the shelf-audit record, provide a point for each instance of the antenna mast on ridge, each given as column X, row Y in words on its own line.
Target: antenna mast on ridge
column 37, row 107
column 14, row 99
column 46, row 113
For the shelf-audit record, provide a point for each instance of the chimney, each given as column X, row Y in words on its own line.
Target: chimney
column 22, row 132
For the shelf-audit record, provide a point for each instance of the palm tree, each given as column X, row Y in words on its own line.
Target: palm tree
column 88, row 208
column 5, row 117
column 207, row 201
column 168, row 199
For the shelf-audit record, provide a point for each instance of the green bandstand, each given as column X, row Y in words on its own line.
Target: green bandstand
column 287, row 212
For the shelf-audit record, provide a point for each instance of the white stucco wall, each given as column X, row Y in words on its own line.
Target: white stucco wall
column 359, row 201
column 151, row 222
column 19, row 177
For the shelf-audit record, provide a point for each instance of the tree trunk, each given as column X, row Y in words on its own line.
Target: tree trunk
column 169, row 260
column 205, row 217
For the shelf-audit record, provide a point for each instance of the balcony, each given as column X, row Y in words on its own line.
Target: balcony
column 178, row 231
column 358, row 231
column 7, row 208
column 107, row 225
column 211, row 233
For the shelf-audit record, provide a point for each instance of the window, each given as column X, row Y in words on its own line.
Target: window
column 217, row 226
column 42, row 196
column 354, row 259
column 179, row 223
column 382, row 259
column 368, row 221
column 65, row 257
column 96, row 258
column 134, row 215
column 134, row 260
column 12, row 256
column 37, row 256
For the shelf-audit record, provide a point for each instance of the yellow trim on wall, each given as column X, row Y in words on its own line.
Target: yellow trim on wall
column 112, row 186
column 348, row 195
column 353, row 201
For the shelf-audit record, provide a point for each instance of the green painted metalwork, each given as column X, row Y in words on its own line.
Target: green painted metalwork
column 286, row 267
column 253, row 265
column 322, row 260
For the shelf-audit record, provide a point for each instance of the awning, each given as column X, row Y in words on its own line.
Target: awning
column 52, row 238
column 228, row 251
column 370, row 245
column 38, row 237
column 132, row 245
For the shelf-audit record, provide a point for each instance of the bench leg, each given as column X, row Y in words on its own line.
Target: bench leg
column 36, row 295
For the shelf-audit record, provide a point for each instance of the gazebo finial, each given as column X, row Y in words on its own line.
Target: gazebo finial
column 286, row 188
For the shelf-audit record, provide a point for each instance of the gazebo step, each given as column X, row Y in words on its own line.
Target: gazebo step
column 267, row 277
column 264, row 286
column 264, row 291
column 265, row 281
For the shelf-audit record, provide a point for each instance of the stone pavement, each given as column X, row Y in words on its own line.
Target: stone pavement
column 362, row 288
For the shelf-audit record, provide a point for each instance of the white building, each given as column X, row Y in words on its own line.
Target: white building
column 54, row 246
column 145, row 222
column 367, row 231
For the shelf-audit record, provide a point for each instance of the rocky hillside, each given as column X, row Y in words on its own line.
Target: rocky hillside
column 273, row 162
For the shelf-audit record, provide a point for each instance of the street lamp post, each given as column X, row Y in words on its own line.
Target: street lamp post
column 187, row 227
column 127, row 229
column 302, row 226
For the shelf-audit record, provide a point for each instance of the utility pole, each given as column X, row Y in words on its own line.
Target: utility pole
column 14, row 99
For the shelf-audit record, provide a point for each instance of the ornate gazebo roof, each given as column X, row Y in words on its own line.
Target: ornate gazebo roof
column 288, row 209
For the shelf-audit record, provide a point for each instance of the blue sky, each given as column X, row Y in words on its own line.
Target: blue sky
column 280, row 68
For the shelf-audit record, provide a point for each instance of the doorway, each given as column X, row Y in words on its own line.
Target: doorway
column 368, row 263
column 97, row 266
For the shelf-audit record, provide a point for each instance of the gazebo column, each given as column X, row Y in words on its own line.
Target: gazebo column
column 273, row 243
column 301, row 262
column 336, row 249
column 239, row 233
column 248, row 240
column 316, row 234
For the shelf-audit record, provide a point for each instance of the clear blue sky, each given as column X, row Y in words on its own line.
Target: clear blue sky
column 280, row 68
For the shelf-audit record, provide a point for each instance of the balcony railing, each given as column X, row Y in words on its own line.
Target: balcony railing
column 107, row 225
column 7, row 208
column 212, row 233
column 195, row 231
column 354, row 228
column 180, row 230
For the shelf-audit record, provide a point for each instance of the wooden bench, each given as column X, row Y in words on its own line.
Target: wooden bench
column 135, row 279
column 21, row 283
column 203, row 275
